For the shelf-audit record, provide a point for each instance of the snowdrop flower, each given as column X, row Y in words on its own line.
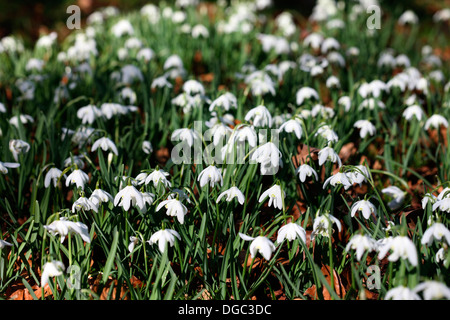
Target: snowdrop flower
column 441, row 15
column 371, row 104
column 193, row 87
column 105, row 144
column 122, row 27
column 358, row 175
column 339, row 178
column 267, row 154
column 329, row 44
column 313, row 40
column 433, row 290
column 292, row 125
column 322, row 224
column 174, row 208
column 185, row 134
column 440, row 256
column 366, row 127
column 210, row 174
column 397, row 196
column 149, row 198
column 158, row 176
column 17, row 146
column 147, row 147
column 373, row 88
column 77, row 177
column 435, row 121
column 46, row 41
column 129, row 196
column 276, row 196
column 51, row 269
column 200, row 30
column 327, row 133
column 333, row 82
column 445, row 193
column 133, row 242
column 328, row 154
column 400, row 247
column 291, row 231
column 88, row 114
column 34, row 64
column 160, row 82
column 365, row 207
column 443, row 205
column 428, row 198
column 162, row 237
column 4, row 243
column 346, row 102
column 245, row 132
column 436, row 231
column 53, row 175
column 63, row 227
column 225, row 101
column 99, row 195
column 413, row 111
column 304, row 171
column 260, row 116
column 179, row 194
column 408, row 17
column 232, row 193
column 324, row 112
column 74, row 160
column 401, row 293
column 306, row 93
column 260, row 244
column 85, row 204
column 361, row 243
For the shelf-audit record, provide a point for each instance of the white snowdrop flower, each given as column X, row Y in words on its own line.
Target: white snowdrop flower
column 306, row 93
column 313, row 40
column 440, row 256
column 34, row 64
column 437, row 76
column 316, row 70
column 292, row 125
column 133, row 242
column 428, row 198
column 413, row 111
column 260, row 244
column 109, row 110
column 437, row 231
column 74, row 160
column 105, row 144
column 433, row 290
column 402, row 60
column 442, row 205
column 445, row 193
column 386, row 59
column 397, row 195
column 291, row 231
column 4, row 244
column 77, row 177
column 199, row 30
column 151, row 12
column 365, row 207
column 260, row 83
column 329, row 44
column 147, row 147
column 46, row 41
column 178, row 17
column 436, row 120
column 346, row 102
column 336, row 58
column 328, row 154
column 210, row 174
column 85, row 204
column 193, row 87
column 358, row 175
column 50, row 270
column 129, row 196
column 246, row 132
column 63, row 227
column 149, row 198
column 323, row 111
column 267, row 153
column 276, row 196
column 304, row 171
column 333, row 82
column 23, row 118
column 366, row 127
column 185, row 134
column 339, row 178
column 173, row 61
column 361, row 243
column 352, row 52
column 371, row 104
column 164, row 237
column 2, row 108
column 259, row 116
column 323, row 223
column 174, row 208
column 53, row 175
column 422, row 85
column 408, row 17
column 88, row 114
column 127, row 94
column 145, row 54
column 441, row 15
column 396, row 82
column 160, row 82
column 122, row 27
column 17, row 147
column 335, row 24
column 230, row 194
column 400, row 247
column 130, row 73
column 158, row 176
column 373, row 88
column 218, row 132
column 226, row 101
column 179, row 194
column 98, row 196
column 401, row 293
column 327, row 133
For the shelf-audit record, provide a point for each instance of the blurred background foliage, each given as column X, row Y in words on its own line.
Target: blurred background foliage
column 29, row 18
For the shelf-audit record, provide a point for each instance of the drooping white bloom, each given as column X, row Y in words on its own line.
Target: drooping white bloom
column 328, row 154
column 133, row 242
column 230, row 194
column 408, row 17
column 436, row 231
column 122, row 27
column 225, row 101
column 267, row 154
column 174, row 208
column 291, row 231
column 428, row 198
column 260, row 244
column 276, row 196
column 53, row 175
column 435, row 121
column 304, row 171
column 397, row 196
column 333, row 82
column 400, row 247
column 313, row 40
column 77, row 177
column 51, row 269
column 63, row 227
column 5, row 165
column 323, row 224
column 432, row 290
column 361, row 243
column 98, row 196
column 162, row 237
column 129, row 196
column 192, row 87
column 185, row 134
column 443, row 204
column 210, row 174
column 306, row 93
column 179, row 194
column 260, row 116
column 246, row 132
column 156, row 176
column 85, row 204
column 292, row 125
column 322, row 111
column 365, row 207
column 327, row 133
column 147, row 147
column 17, row 146
column 366, row 127
column 105, row 144
column 401, row 293
column 358, row 175
column 413, row 111
column 339, row 178
column 160, row 82
column 88, row 114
